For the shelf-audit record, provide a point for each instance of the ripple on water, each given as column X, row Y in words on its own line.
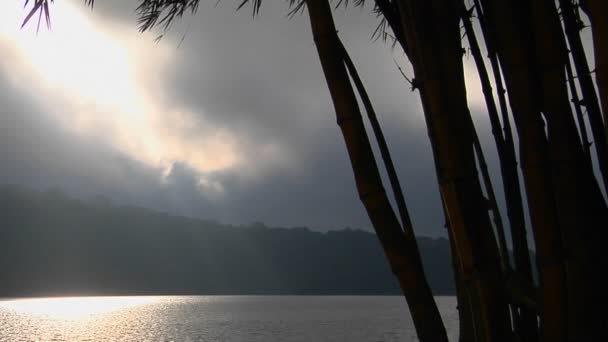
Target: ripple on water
column 214, row 318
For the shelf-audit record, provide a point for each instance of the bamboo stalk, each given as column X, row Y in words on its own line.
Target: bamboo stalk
column 525, row 320
column 431, row 29
column 496, row 132
column 402, row 256
column 504, row 30
column 466, row 331
column 467, row 328
column 492, row 203
column 404, row 215
column 576, row 102
column 581, row 207
column 590, row 100
column 507, row 157
column 597, row 10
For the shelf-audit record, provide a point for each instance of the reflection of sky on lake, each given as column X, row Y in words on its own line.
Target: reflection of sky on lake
column 73, row 308
column 214, row 318
column 73, row 318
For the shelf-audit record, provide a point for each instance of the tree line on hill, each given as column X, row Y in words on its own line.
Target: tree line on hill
column 51, row 244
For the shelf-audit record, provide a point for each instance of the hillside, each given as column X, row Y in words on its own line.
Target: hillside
column 51, row 244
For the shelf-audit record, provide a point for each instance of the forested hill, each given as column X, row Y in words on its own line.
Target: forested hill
column 51, row 244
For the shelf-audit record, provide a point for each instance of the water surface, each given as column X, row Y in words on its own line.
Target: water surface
column 215, row 318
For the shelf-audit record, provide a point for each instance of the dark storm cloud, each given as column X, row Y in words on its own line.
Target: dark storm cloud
column 260, row 80
column 36, row 151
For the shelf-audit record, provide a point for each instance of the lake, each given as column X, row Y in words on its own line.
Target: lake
column 215, row 318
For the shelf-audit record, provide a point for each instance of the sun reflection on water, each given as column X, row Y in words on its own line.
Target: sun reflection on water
column 73, row 307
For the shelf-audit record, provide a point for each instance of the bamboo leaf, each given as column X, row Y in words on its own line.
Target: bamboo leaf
column 47, row 14
column 35, row 9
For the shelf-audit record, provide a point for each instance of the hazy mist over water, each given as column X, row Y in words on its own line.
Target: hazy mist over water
column 215, row 318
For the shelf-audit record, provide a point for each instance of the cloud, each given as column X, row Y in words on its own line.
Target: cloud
column 233, row 124
column 97, row 73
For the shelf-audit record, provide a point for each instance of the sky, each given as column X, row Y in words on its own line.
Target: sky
column 226, row 118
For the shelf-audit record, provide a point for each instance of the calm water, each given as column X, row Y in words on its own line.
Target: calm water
column 214, row 319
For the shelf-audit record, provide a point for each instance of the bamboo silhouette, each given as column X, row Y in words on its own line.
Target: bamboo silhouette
column 404, row 215
column 433, row 41
column 401, row 252
column 496, row 132
column 578, row 109
column 384, row 150
column 590, row 101
column 597, row 10
column 466, row 323
column 525, row 320
column 581, row 207
column 508, row 39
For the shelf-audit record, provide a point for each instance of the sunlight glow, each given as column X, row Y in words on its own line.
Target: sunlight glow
column 103, row 76
column 74, row 307
column 76, row 57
